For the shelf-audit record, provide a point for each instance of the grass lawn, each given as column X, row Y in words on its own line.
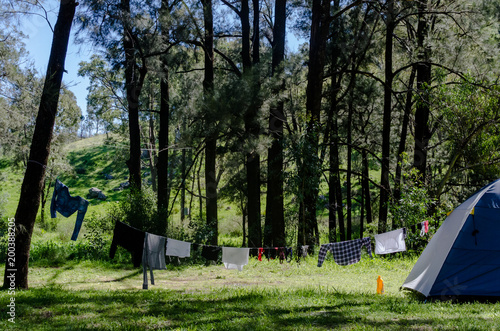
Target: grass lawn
column 264, row 296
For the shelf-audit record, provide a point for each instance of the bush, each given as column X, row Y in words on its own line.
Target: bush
column 99, row 233
column 411, row 209
column 139, row 210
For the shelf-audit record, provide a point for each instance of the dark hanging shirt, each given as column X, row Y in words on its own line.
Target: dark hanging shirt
column 129, row 238
column 210, row 252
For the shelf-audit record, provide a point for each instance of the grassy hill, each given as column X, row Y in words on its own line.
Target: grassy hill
column 92, row 161
column 89, row 160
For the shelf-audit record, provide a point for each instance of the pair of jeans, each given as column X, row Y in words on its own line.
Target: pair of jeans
column 66, row 205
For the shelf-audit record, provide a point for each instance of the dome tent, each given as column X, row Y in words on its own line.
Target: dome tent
column 462, row 260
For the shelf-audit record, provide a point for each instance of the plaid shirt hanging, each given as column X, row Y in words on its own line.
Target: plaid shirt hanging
column 345, row 252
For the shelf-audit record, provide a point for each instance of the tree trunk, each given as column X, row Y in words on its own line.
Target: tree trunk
column 387, row 117
column 349, row 157
column 422, row 130
column 402, row 142
column 366, row 188
column 274, row 230
column 152, row 153
column 309, row 171
column 183, row 185
column 252, row 128
column 16, row 272
column 162, row 165
column 45, row 194
column 134, row 79
column 211, row 139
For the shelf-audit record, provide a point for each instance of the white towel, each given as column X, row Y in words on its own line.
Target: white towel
column 178, row 248
column 235, row 258
column 390, row 242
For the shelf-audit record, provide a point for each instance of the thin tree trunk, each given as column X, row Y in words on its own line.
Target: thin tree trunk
column 349, row 160
column 422, row 130
column 362, row 209
column 309, row 170
column 274, row 230
column 332, row 203
column 402, row 142
column 211, row 139
column 152, row 153
column 252, row 128
column 387, row 117
column 134, row 79
column 200, row 196
column 16, row 272
column 162, row 165
column 335, row 197
column 45, row 194
column 183, row 185
column 366, row 187
column 335, row 184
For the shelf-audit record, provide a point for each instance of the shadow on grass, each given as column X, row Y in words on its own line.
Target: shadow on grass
column 227, row 309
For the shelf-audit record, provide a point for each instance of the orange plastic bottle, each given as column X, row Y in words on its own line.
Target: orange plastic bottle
column 380, row 285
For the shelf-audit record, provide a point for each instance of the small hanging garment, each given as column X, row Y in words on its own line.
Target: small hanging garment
column 390, row 242
column 281, row 252
column 66, row 205
column 345, row 252
column 129, row 238
column 210, row 252
column 305, row 249
column 235, row 258
column 178, row 248
column 424, row 228
column 153, row 256
column 261, row 251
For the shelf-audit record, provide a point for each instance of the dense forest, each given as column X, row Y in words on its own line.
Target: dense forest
column 385, row 115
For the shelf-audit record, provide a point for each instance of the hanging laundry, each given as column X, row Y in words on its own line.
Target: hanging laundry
column 129, row 238
column 261, row 251
column 271, row 253
column 424, row 228
column 281, row 252
column 235, row 258
column 66, row 205
column 390, row 242
column 305, row 249
column 178, row 248
column 345, row 252
column 210, row 252
column 153, row 256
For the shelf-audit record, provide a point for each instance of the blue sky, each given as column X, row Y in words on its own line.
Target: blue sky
column 39, row 42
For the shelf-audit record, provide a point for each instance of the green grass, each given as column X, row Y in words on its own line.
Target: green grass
column 264, row 296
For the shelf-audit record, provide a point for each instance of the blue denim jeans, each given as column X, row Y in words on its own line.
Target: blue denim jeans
column 66, row 205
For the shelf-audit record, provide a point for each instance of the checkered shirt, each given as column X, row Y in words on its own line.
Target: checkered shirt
column 345, row 252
